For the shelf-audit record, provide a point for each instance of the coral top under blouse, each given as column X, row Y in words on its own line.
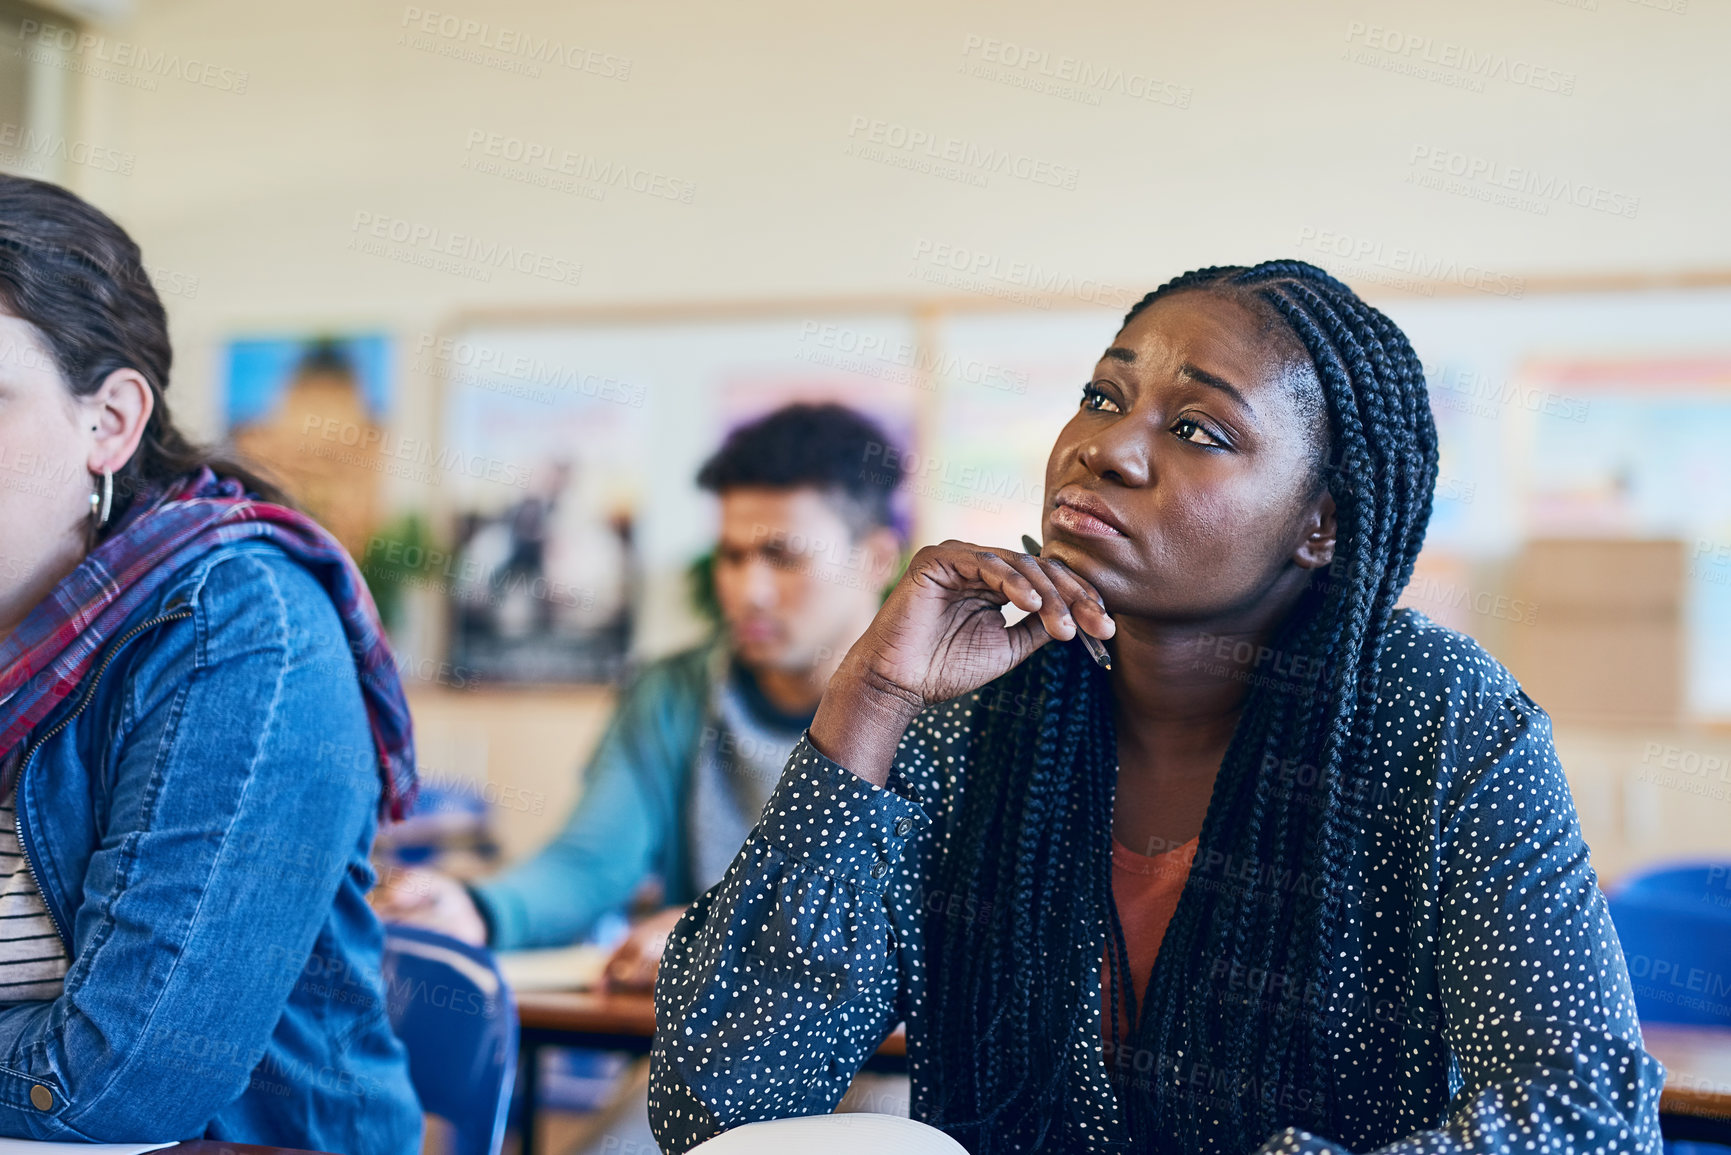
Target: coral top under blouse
column 1145, row 888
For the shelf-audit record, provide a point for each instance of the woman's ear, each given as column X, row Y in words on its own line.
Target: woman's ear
column 1317, row 548
column 115, row 417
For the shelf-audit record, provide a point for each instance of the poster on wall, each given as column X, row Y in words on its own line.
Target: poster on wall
column 1007, row 385
column 312, row 410
column 580, row 533
column 543, row 497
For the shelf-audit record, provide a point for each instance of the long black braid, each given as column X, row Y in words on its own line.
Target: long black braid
column 1031, row 838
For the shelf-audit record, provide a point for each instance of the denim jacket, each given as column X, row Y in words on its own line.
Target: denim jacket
column 198, row 816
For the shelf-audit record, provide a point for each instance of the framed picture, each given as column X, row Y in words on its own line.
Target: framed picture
column 575, row 515
column 313, row 410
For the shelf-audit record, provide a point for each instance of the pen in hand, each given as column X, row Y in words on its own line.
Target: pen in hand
column 1095, row 647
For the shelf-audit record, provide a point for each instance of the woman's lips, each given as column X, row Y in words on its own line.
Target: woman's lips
column 1070, row 518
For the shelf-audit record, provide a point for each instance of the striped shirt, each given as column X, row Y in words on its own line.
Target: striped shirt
column 32, row 958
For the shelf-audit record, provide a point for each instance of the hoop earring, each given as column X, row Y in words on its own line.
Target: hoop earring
column 102, row 504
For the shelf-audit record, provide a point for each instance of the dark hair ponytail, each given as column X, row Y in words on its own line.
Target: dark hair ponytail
column 79, row 279
column 1032, row 834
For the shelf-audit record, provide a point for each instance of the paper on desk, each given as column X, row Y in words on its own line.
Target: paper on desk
column 40, row 1147
column 566, row 968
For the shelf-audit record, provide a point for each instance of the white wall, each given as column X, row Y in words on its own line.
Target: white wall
column 255, row 194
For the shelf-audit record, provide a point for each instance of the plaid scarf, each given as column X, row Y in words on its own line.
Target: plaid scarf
column 54, row 648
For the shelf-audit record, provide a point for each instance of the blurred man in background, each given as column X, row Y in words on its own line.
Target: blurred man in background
column 698, row 740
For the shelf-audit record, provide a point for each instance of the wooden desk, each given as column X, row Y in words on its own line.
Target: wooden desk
column 608, row 1022
column 1696, row 1102
column 627, row 1022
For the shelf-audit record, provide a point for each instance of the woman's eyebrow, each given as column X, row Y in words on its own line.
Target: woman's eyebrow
column 1188, row 371
column 1203, row 377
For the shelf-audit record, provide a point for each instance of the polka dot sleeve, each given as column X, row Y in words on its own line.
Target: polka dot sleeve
column 1532, row 999
column 1480, row 1000
column 781, row 981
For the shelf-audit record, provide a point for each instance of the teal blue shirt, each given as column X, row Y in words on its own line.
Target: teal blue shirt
column 629, row 822
column 651, row 804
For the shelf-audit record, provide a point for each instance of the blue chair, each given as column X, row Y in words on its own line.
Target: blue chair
column 455, row 1014
column 1675, row 927
column 1705, row 883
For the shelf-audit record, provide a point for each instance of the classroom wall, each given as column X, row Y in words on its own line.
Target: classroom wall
column 1481, row 147
column 1262, row 128
column 1131, row 141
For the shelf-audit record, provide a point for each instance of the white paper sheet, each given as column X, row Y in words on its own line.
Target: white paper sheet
column 568, row 968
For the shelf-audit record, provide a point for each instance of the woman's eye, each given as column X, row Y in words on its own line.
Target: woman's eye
column 1092, row 398
column 1189, row 429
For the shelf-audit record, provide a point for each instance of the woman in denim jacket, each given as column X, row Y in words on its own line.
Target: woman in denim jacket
column 200, row 729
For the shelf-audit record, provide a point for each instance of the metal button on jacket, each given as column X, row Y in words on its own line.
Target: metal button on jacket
column 41, row 1097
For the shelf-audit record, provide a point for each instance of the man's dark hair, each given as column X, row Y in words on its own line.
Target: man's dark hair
column 827, row 447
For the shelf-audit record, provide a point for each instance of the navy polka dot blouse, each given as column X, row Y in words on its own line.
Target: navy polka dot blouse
column 1487, row 1005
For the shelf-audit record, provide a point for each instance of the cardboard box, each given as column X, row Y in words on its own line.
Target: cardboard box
column 1593, row 576
column 1605, row 641
column 1607, row 670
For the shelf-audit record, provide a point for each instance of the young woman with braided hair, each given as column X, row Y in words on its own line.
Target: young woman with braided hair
column 1299, row 873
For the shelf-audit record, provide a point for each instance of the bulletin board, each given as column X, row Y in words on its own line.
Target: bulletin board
column 1599, row 411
